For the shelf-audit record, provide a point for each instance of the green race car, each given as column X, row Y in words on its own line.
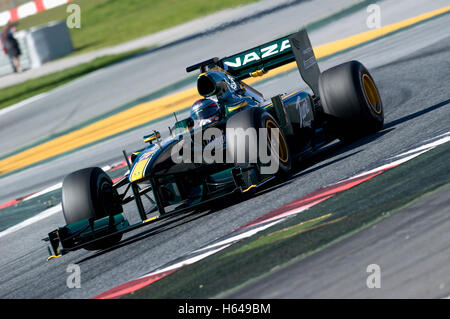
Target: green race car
column 234, row 141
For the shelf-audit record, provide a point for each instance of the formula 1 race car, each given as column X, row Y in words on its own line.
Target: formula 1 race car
column 234, row 141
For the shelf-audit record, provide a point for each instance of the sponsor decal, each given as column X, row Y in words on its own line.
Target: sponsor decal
column 258, row 54
column 303, row 107
column 309, row 62
column 148, row 154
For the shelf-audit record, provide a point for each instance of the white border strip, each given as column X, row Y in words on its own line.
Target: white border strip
column 23, row 103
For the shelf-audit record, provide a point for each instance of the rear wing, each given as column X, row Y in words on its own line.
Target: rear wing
column 261, row 59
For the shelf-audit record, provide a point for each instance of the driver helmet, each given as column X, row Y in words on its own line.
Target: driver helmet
column 205, row 111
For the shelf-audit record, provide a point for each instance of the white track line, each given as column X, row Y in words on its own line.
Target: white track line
column 426, row 146
column 390, row 165
column 185, row 262
column 22, row 103
column 45, row 191
column 240, row 236
column 415, row 153
column 46, row 213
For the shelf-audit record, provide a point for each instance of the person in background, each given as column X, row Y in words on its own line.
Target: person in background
column 11, row 46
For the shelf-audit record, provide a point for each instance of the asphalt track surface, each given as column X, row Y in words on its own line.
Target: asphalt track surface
column 411, row 70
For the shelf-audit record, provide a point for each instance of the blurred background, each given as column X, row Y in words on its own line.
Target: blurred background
column 104, row 23
column 11, row 4
column 54, row 52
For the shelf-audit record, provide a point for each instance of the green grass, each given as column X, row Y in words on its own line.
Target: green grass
column 109, row 22
column 105, row 23
column 19, row 92
column 278, row 235
column 306, row 233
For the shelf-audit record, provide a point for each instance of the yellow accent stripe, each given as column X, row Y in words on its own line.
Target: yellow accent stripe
column 53, row 256
column 246, row 190
column 283, row 98
column 254, row 185
column 150, row 219
column 138, row 170
column 143, row 113
column 150, row 139
column 257, row 73
column 231, row 109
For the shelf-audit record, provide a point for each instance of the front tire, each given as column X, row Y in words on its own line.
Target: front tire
column 88, row 195
column 350, row 97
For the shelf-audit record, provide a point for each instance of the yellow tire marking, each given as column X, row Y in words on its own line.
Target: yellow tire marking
column 283, row 153
column 371, row 94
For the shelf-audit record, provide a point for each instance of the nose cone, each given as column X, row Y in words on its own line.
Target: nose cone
column 137, row 173
column 140, row 166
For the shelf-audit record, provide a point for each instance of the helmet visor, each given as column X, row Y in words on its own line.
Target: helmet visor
column 206, row 113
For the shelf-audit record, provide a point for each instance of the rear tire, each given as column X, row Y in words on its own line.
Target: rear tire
column 256, row 118
column 350, row 97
